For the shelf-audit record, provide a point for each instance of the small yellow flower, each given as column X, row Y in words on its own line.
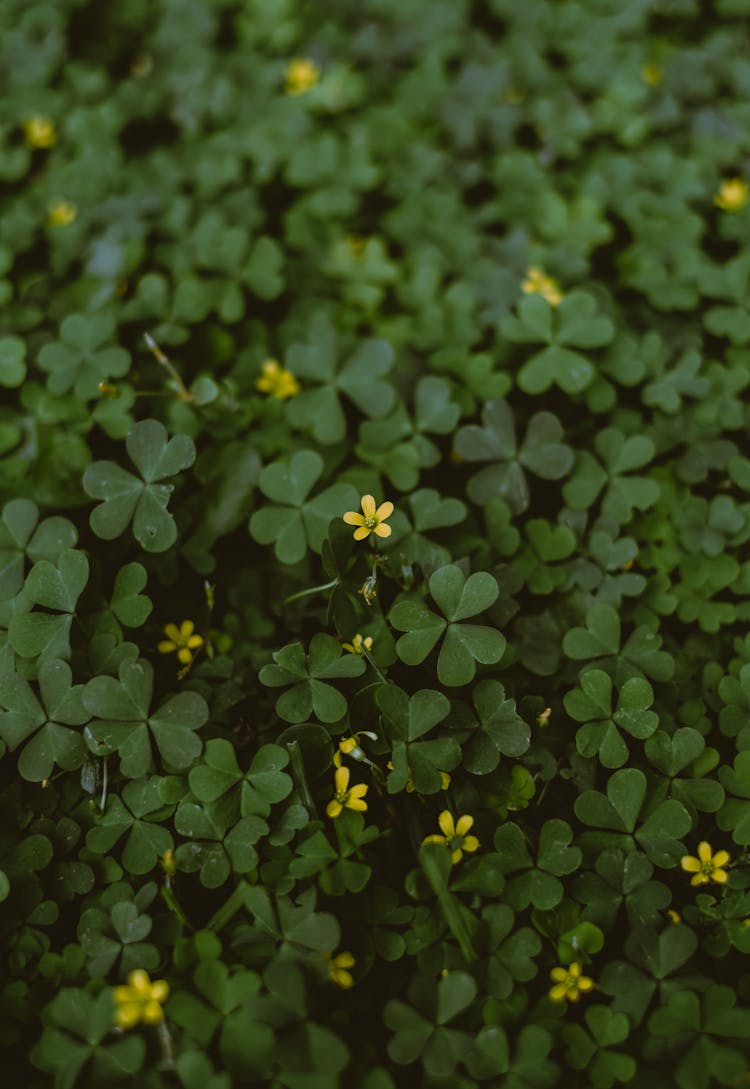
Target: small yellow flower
column 140, row 1000
column 455, row 835
column 168, row 863
column 732, row 195
column 542, row 719
column 651, row 74
column 359, row 644
column 277, row 381
column 346, row 797
column 182, row 639
column 569, row 984
column 39, row 132
column 338, row 969
column 538, row 283
column 61, row 213
column 301, row 76
column 371, row 520
column 674, row 916
column 707, row 866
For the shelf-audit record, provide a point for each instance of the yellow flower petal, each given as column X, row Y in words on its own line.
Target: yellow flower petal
column 184, row 655
column 341, row 778
column 172, row 632
column 585, row 984
column 187, row 627
column 128, row 1016
column 574, row 969
column 558, row 992
column 457, row 855
column 434, row 839
column 704, row 851
column 471, row 843
column 352, row 518
column 559, row 975
column 368, row 506
column 166, row 646
column 356, row 804
column 139, row 980
column 160, row 990
column 720, row 858
column 358, row 791
column 699, row 879
column 382, row 529
column 720, row 876
column 195, row 641
column 385, row 510
column 447, row 827
column 344, row 960
column 690, row 864
column 463, row 824
column 342, row 978
column 334, row 808
column 123, row 994
column 152, row 1013
column 362, row 532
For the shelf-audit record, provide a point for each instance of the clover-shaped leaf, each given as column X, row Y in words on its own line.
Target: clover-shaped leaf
column 22, row 534
column 257, row 789
column 142, row 500
column 55, row 587
column 308, row 677
column 575, row 323
column 406, row 721
column 464, row 645
column 137, row 812
column 600, row 643
column 360, row 378
column 83, row 356
column 541, row 453
column 120, row 708
column 44, row 725
column 500, row 731
column 620, row 455
column 130, row 606
column 592, row 705
column 293, row 522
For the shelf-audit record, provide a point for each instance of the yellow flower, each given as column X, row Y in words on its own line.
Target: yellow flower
column 346, row 797
column 39, row 132
column 277, row 381
column 455, row 835
column 538, row 283
column 569, row 983
column 543, row 718
column 301, row 76
column 338, row 969
column 707, row 866
column 61, row 213
column 359, row 644
column 651, row 74
column 370, row 520
column 674, row 916
column 732, row 195
column 168, row 863
column 181, row 640
column 140, row 1000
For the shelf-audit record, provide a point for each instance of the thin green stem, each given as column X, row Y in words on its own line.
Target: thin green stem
column 311, row 590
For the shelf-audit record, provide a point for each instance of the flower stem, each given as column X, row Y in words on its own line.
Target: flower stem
column 311, row 590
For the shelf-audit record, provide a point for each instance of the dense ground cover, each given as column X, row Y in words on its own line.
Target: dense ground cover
column 374, row 571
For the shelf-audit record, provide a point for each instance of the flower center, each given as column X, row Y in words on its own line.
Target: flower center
column 371, row 522
column 341, row 796
column 707, row 867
